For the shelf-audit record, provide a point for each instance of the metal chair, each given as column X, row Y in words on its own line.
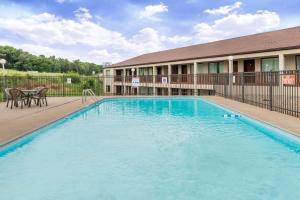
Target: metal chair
column 16, row 97
column 7, row 96
column 40, row 97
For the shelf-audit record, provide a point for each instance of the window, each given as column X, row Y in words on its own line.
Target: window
column 216, row 68
column 201, row 68
column 270, row 64
column 151, row 71
column 108, row 88
column 213, row 68
column 221, row 67
column 298, row 62
column 107, row 72
column 141, row 71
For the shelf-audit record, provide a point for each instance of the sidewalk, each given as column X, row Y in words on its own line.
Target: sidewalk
column 285, row 122
column 17, row 122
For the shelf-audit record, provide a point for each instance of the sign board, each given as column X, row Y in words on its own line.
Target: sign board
column 289, row 79
column 164, row 80
column 69, row 80
column 135, row 82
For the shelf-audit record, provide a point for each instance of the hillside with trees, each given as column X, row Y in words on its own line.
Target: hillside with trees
column 20, row 60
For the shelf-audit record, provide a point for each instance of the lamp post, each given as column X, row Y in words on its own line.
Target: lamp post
column 3, row 62
column 132, row 70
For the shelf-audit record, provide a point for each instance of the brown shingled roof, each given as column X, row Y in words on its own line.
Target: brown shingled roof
column 262, row 42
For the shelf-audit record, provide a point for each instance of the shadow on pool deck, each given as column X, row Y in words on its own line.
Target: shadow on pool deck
column 17, row 122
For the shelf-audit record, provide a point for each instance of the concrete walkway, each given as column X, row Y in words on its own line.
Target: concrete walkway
column 17, row 122
column 276, row 119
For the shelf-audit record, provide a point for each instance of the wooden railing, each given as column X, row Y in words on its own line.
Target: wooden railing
column 247, row 78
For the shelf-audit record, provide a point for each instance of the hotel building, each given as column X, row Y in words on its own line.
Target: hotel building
column 197, row 69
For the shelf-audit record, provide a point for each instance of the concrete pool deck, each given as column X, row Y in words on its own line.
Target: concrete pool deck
column 18, row 122
column 276, row 119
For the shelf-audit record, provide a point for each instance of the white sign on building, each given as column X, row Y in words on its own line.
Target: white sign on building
column 135, row 82
column 69, row 80
column 164, row 80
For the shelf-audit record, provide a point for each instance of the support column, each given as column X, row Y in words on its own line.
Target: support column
column 179, row 78
column 281, row 67
column 230, row 71
column 195, row 79
column 137, row 75
column 154, row 80
column 123, row 81
column 113, row 87
column 169, row 79
column 281, row 62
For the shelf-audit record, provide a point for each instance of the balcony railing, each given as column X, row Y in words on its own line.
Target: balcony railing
column 182, row 79
column 146, row 79
column 246, row 78
column 118, row 78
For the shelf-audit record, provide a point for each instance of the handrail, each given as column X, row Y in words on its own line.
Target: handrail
column 89, row 92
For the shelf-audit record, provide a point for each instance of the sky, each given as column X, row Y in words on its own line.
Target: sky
column 114, row 30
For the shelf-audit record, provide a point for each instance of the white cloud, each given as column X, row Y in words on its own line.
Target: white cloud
column 52, row 35
column 236, row 25
column 82, row 38
column 223, row 10
column 151, row 11
column 48, row 29
column 83, row 14
column 104, row 56
column 179, row 39
column 60, row 1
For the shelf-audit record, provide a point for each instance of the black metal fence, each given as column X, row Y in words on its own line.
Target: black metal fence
column 58, row 85
column 277, row 91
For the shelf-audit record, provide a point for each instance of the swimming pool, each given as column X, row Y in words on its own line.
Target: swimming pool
column 154, row 148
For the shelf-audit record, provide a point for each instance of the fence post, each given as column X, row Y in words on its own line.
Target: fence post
column 63, row 84
column 225, row 85
column 270, row 90
column 243, row 87
column 3, row 88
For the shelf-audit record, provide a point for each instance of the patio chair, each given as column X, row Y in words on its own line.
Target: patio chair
column 7, row 95
column 16, row 97
column 40, row 97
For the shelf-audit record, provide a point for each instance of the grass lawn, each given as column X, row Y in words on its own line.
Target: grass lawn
column 11, row 72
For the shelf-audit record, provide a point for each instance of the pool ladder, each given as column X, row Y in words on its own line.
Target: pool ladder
column 86, row 93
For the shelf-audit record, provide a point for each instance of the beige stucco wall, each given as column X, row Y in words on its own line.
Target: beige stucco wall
column 257, row 65
column 226, row 67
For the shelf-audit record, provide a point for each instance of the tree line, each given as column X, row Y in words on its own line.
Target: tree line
column 23, row 61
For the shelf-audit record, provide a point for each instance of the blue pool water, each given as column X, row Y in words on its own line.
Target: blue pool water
column 152, row 149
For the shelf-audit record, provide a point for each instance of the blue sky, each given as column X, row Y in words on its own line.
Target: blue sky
column 113, row 30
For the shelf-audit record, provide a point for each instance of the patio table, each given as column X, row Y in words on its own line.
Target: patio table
column 29, row 93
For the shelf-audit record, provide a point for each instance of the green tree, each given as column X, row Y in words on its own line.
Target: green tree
column 24, row 61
